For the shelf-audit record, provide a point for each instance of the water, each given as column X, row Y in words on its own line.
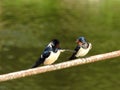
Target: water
column 24, row 34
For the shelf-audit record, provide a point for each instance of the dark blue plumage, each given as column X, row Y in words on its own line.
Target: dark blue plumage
column 50, row 54
column 81, row 49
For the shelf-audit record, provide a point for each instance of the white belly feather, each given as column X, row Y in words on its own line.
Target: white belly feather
column 82, row 51
column 52, row 58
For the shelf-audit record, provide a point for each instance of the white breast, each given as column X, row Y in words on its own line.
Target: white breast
column 83, row 52
column 52, row 58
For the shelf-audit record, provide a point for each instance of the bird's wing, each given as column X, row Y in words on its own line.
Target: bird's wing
column 41, row 59
column 46, row 54
column 73, row 55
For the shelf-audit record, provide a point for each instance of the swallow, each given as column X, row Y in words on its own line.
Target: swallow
column 50, row 54
column 82, row 48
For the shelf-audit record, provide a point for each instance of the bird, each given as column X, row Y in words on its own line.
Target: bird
column 82, row 48
column 50, row 54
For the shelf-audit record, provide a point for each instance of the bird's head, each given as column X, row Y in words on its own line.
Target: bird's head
column 55, row 43
column 81, row 40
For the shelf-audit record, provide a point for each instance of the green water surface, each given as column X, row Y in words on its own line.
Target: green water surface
column 26, row 27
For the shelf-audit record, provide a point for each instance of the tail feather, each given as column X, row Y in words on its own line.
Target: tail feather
column 38, row 62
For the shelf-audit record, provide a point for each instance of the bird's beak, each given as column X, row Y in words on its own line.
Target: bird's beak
column 77, row 41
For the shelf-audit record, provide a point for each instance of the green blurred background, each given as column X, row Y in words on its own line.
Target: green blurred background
column 26, row 27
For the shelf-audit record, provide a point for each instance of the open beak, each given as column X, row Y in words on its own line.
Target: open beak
column 77, row 41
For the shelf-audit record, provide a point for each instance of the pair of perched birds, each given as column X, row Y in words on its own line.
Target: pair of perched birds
column 53, row 50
